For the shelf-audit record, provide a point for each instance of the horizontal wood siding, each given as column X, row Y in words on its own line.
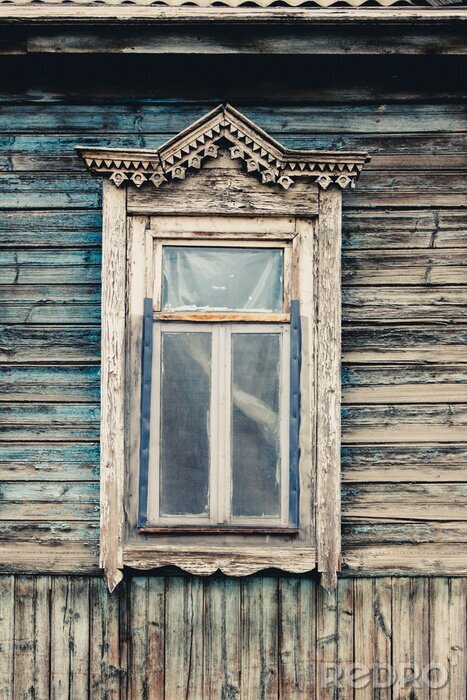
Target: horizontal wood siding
column 262, row 638
column 404, row 293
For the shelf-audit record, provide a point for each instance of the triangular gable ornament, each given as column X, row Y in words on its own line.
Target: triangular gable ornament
column 224, row 127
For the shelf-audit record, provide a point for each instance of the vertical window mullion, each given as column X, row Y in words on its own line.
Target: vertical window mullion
column 227, row 432
column 215, row 425
column 222, row 439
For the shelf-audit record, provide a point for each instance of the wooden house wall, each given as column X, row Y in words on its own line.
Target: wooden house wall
column 404, row 369
column 404, row 284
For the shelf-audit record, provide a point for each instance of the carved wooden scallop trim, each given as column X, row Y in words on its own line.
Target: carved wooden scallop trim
column 204, row 561
column 224, row 126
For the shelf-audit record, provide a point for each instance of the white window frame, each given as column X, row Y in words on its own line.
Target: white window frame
column 220, row 468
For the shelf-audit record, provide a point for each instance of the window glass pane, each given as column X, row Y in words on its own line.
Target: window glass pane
column 256, row 460
column 219, row 279
column 185, row 411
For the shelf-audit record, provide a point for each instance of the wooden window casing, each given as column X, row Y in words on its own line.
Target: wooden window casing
column 300, row 210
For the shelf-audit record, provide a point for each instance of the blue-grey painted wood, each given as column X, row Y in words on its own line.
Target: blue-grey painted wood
column 164, row 118
column 294, row 431
column 146, row 382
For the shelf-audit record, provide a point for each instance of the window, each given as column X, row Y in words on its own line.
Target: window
column 220, row 424
column 222, row 442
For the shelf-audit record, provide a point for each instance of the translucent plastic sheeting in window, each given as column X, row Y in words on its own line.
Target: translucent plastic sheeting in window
column 199, row 278
column 256, row 458
column 185, row 411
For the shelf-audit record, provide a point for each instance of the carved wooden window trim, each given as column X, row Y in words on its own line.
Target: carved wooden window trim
column 286, row 185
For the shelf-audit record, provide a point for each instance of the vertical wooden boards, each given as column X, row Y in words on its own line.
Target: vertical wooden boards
column 326, row 643
column 146, row 637
column 448, row 625
column 105, row 665
column 328, row 386
column 345, row 636
column 411, row 636
column 7, row 617
column 184, row 638
column 259, row 679
column 297, row 637
column 70, row 640
column 260, row 638
column 112, row 436
column 32, row 638
column 222, row 638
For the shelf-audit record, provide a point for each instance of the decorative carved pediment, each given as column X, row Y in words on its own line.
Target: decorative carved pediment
column 224, row 127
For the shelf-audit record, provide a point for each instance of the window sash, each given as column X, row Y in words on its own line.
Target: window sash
column 220, row 467
column 226, row 316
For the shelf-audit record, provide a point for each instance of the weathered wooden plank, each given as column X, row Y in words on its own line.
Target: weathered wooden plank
column 210, row 191
column 32, row 191
column 78, row 492
column 457, row 622
column 408, row 560
column 420, row 343
column 254, row 40
column 37, row 152
column 277, row 119
column 222, row 638
column 70, row 638
column 328, row 391
column 345, row 639
column 326, row 644
column 112, row 422
column 398, row 384
column 49, row 500
column 32, row 637
column 440, row 647
column 7, row 635
column 51, row 266
column 364, row 641
column 49, row 383
column 400, row 228
column 390, row 267
column 105, row 668
column 49, row 510
column 410, row 648
column 50, row 304
column 405, row 423
column 49, row 343
column 393, row 463
column 184, row 638
column 407, row 501
column 404, row 304
column 259, row 677
column 297, row 638
column 49, row 461
column 34, row 421
column 24, row 558
column 66, row 228
column 146, row 638
column 43, row 533
column 358, row 532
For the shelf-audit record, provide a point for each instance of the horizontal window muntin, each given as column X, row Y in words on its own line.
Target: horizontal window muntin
column 245, row 460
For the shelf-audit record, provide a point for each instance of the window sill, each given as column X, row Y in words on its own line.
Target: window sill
column 213, row 530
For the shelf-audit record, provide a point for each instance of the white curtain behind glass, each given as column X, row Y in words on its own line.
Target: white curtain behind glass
column 222, row 279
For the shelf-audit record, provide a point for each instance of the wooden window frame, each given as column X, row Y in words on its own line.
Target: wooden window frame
column 220, row 465
column 298, row 198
